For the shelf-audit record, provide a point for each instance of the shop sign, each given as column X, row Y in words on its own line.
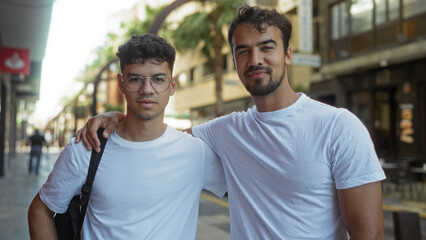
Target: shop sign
column 14, row 60
column 406, row 123
column 305, row 26
column 313, row 60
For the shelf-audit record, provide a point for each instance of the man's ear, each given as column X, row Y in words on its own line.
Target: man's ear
column 173, row 86
column 288, row 55
column 120, row 83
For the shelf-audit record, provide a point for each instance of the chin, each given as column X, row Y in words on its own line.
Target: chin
column 146, row 117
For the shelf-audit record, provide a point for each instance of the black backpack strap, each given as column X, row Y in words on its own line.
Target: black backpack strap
column 87, row 187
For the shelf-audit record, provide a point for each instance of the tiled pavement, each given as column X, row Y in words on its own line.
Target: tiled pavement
column 18, row 188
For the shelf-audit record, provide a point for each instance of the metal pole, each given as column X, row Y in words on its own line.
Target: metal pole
column 98, row 79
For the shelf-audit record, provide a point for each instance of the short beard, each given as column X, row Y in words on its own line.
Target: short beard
column 148, row 117
column 259, row 90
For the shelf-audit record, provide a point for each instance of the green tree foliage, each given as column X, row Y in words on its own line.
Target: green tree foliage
column 205, row 29
column 141, row 27
column 105, row 53
column 102, row 55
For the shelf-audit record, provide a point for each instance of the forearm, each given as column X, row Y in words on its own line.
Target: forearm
column 362, row 213
column 40, row 221
column 120, row 116
column 109, row 120
column 365, row 234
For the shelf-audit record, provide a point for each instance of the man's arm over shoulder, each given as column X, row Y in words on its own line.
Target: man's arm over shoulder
column 88, row 134
column 362, row 211
column 40, row 220
column 189, row 131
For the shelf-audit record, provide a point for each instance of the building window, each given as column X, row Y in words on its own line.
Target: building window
column 192, row 76
column 386, row 11
column 361, row 16
column 393, row 10
column 358, row 26
column 182, row 79
column 413, row 8
column 414, row 14
column 381, row 11
column 340, row 25
column 340, row 20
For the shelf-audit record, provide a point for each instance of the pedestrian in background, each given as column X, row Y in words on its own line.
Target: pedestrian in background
column 36, row 140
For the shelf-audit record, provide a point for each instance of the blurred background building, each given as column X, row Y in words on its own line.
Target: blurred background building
column 373, row 63
column 24, row 27
column 364, row 55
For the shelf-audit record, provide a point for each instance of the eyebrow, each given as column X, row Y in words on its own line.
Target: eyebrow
column 258, row 44
column 139, row 75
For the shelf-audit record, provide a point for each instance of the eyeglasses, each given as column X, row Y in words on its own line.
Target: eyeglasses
column 135, row 83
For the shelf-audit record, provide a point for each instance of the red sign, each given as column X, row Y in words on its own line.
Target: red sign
column 14, row 60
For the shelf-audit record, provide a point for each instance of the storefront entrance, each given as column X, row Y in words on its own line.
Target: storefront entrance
column 377, row 110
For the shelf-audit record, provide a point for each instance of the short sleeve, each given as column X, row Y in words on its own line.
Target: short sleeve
column 354, row 160
column 63, row 183
column 214, row 177
column 210, row 131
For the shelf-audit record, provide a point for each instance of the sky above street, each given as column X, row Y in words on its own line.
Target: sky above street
column 76, row 29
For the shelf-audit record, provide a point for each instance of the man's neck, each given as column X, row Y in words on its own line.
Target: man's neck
column 141, row 130
column 281, row 98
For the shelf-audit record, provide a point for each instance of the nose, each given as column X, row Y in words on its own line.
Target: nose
column 147, row 88
column 255, row 58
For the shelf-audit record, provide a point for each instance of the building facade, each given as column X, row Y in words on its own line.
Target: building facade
column 23, row 36
column 373, row 63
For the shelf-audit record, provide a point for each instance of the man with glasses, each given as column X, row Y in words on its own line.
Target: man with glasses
column 150, row 177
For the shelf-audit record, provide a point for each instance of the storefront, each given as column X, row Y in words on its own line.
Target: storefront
column 390, row 101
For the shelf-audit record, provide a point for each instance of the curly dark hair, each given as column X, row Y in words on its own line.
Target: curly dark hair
column 261, row 18
column 141, row 48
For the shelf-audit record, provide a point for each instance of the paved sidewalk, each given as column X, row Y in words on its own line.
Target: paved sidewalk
column 18, row 188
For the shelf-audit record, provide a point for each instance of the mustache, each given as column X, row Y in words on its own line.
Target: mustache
column 256, row 68
column 146, row 97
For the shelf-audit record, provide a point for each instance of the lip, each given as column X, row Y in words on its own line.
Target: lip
column 256, row 74
column 146, row 103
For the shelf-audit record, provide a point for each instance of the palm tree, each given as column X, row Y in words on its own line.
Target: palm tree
column 103, row 54
column 206, row 28
column 141, row 27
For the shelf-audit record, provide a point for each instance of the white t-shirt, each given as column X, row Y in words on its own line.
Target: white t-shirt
column 283, row 168
column 142, row 190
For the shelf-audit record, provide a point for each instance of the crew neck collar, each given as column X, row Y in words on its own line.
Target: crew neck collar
column 290, row 110
column 130, row 144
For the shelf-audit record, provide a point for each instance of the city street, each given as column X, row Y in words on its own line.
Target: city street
column 214, row 220
column 315, row 91
column 213, row 223
column 18, row 188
